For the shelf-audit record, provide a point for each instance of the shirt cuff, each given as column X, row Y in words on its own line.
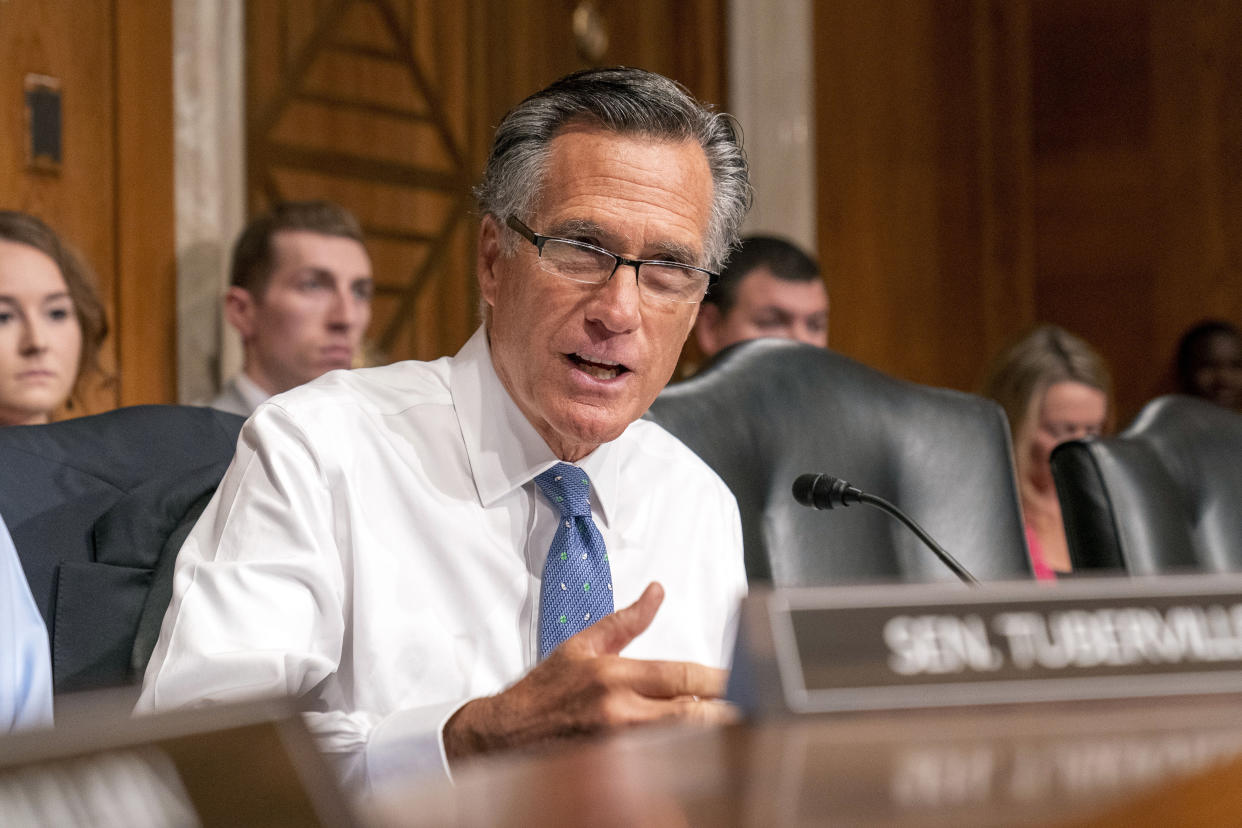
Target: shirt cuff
column 410, row 743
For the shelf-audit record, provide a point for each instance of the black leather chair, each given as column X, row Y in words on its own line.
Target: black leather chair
column 1163, row 496
column 98, row 507
column 765, row 411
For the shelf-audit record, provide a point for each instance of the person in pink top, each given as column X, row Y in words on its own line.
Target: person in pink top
column 1054, row 387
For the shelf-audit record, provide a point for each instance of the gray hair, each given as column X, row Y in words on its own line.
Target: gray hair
column 626, row 101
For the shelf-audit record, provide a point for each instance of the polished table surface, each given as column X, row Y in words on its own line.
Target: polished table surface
column 1094, row 763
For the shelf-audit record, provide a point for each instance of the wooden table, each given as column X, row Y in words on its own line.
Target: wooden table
column 1098, row 763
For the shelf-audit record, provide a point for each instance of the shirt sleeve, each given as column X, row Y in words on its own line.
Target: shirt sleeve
column 26, row 672
column 262, row 602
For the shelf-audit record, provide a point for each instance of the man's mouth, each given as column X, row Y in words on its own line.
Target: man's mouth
column 602, row 369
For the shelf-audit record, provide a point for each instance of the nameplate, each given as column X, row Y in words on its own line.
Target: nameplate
column 867, row 648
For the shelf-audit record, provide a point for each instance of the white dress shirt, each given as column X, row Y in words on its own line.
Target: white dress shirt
column 378, row 544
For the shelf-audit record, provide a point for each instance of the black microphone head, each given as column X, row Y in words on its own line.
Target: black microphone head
column 823, row 491
column 804, row 489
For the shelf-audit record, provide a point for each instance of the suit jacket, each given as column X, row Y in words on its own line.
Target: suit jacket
column 97, row 508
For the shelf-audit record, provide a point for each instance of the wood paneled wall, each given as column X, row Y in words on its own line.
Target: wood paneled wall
column 112, row 197
column 924, row 182
column 983, row 164
column 1137, row 147
column 989, row 164
column 388, row 107
column 366, row 104
column 146, row 265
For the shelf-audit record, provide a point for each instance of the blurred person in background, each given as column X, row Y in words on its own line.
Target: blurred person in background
column 300, row 296
column 769, row 287
column 1209, row 363
column 1054, row 387
column 52, row 322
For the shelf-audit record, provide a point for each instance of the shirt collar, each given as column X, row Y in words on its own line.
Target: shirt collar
column 249, row 390
column 504, row 450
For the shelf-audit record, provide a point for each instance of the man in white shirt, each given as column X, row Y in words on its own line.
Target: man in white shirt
column 299, row 295
column 382, row 541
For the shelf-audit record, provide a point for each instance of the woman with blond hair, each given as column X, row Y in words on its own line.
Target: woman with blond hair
column 52, row 323
column 1054, row 387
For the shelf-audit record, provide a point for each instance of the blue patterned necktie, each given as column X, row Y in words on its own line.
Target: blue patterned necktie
column 577, row 581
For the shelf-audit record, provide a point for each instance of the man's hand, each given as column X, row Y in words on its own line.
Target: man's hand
column 584, row 686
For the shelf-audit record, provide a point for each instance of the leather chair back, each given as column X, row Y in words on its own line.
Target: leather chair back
column 765, row 411
column 1163, row 496
column 98, row 507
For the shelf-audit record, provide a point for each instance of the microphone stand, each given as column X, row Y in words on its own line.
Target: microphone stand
column 949, row 561
column 821, row 491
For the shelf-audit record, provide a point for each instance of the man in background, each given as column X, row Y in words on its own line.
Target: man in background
column 299, row 295
column 1209, row 363
column 770, row 287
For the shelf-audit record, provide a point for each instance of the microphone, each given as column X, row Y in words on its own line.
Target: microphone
column 822, row 491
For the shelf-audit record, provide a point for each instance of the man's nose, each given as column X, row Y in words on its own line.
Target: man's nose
column 347, row 310
column 803, row 335
column 809, row 335
column 617, row 304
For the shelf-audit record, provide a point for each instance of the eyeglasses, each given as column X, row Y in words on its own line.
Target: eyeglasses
column 588, row 264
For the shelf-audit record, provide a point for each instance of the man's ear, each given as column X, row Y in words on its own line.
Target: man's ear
column 239, row 310
column 707, row 329
column 489, row 253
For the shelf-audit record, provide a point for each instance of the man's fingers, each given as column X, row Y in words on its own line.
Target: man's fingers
column 673, row 679
column 687, row 709
column 613, row 632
